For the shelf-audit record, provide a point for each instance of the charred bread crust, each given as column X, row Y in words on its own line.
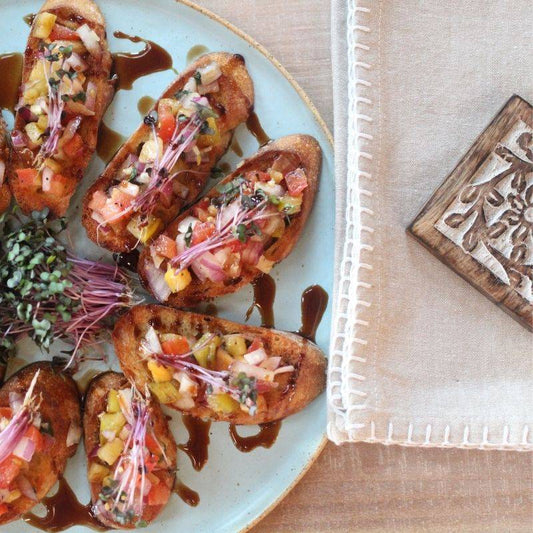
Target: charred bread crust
column 302, row 386
column 95, row 403
column 307, row 152
column 235, row 101
column 83, row 11
column 5, row 193
column 60, row 407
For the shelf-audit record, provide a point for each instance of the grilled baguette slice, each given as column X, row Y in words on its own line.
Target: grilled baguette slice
column 95, row 404
column 5, row 193
column 233, row 102
column 29, row 197
column 295, row 390
column 60, row 407
column 306, row 153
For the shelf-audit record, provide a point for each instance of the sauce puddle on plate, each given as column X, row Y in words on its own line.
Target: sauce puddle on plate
column 254, row 127
column 189, row 496
column 63, row 510
column 195, row 52
column 314, row 304
column 198, row 444
column 127, row 260
column 10, row 77
column 266, row 437
column 128, row 67
column 144, row 105
column 264, row 294
column 235, row 147
column 109, row 141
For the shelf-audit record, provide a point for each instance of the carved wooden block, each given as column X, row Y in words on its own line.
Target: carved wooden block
column 479, row 222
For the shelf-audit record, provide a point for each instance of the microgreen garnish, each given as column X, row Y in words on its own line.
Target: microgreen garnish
column 55, row 295
column 216, row 173
column 180, row 94
column 198, row 77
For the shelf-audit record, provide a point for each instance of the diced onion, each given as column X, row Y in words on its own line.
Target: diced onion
column 17, row 138
column 26, row 488
column 156, row 280
column 256, row 357
column 183, row 226
column 71, row 129
column 211, row 88
column 251, row 371
column 48, row 174
column 271, row 363
column 210, row 73
column 2, row 172
column 210, row 267
column 190, row 85
column 253, row 251
column 77, row 64
column 24, row 449
column 152, row 344
column 89, row 39
column 74, row 434
column 15, row 401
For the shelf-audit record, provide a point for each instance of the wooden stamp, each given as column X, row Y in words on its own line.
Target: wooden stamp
column 479, row 222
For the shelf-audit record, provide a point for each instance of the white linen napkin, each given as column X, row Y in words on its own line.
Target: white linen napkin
column 418, row 356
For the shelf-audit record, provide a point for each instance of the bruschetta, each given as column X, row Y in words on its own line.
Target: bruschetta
column 250, row 221
column 40, row 427
column 131, row 453
column 5, row 193
column 213, row 368
column 167, row 161
column 64, row 93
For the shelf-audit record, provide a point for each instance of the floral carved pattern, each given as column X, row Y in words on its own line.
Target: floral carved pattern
column 491, row 218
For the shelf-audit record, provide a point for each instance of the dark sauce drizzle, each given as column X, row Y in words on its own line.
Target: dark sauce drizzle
column 255, row 128
column 127, row 260
column 264, row 294
column 314, row 304
column 197, row 445
column 109, row 141
column 63, row 510
column 29, row 18
column 235, row 147
column 189, row 496
column 10, row 76
column 266, row 437
column 128, row 67
column 144, row 105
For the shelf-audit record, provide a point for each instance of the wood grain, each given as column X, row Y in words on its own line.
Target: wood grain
column 369, row 487
column 459, row 184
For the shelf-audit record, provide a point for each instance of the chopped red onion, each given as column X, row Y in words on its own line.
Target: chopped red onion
column 24, row 449
column 48, row 174
column 17, row 138
column 156, row 280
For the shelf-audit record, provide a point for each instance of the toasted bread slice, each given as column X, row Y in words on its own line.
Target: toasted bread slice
column 292, row 392
column 232, row 99
column 60, row 409
column 96, row 402
column 68, row 158
column 5, row 193
column 303, row 152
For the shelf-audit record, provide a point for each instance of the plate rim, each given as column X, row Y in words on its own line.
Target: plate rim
column 311, row 106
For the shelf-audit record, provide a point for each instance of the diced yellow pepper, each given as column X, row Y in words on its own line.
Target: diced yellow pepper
column 110, row 451
column 52, row 164
column 276, row 176
column 206, row 354
column 210, row 139
column 264, row 264
column 42, row 122
column 12, row 496
column 160, row 374
column 37, row 72
column 43, row 24
column 34, row 132
column 236, row 345
column 290, row 204
column 223, row 403
column 165, row 392
column 113, row 406
column 177, row 282
column 97, row 473
column 146, row 232
column 112, row 422
column 151, row 150
column 223, row 359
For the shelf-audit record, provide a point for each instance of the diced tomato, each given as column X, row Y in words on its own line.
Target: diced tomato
column 200, row 210
column 28, row 178
column 296, row 182
column 175, row 345
column 98, row 201
column 152, row 444
column 167, row 124
column 201, row 232
column 62, row 33
column 74, row 147
column 36, row 436
column 165, row 247
column 60, row 185
column 9, row 470
column 256, row 344
column 235, row 245
column 257, row 175
column 6, row 412
column 158, row 494
column 3, row 509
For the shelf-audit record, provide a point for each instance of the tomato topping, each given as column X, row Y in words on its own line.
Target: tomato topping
column 258, row 175
column 167, row 124
column 201, row 232
column 165, row 247
column 200, row 210
column 235, row 245
column 62, row 33
column 60, row 185
column 36, row 436
column 6, row 412
column 73, row 147
column 158, row 494
column 9, row 470
column 256, row 344
column 177, row 345
column 151, row 444
column 28, row 177
column 296, row 182
column 98, row 201
column 3, row 509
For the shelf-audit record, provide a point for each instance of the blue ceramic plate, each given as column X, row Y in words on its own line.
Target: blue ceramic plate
column 236, row 489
